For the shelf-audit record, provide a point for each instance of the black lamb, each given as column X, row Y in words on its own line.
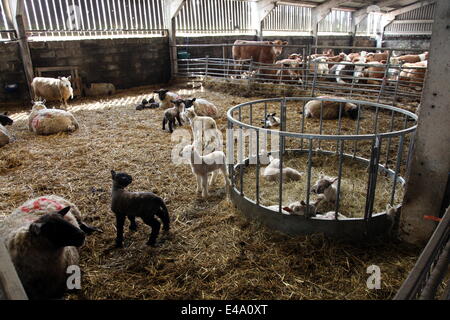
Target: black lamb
column 136, row 204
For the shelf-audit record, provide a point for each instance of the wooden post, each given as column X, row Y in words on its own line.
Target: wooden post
column 10, row 283
column 17, row 10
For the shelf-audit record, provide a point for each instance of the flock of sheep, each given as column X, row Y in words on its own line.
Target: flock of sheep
column 367, row 67
column 43, row 235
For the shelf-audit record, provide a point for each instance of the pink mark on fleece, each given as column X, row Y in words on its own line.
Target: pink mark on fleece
column 37, row 205
column 35, row 122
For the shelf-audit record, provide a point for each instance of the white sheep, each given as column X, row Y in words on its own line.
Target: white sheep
column 5, row 136
column 202, row 107
column 272, row 171
column 165, row 98
column 326, row 188
column 330, row 109
column 41, row 237
column 297, row 209
column 99, row 89
column 203, row 165
column 52, row 89
column 204, row 130
column 330, row 215
column 43, row 121
column 271, row 121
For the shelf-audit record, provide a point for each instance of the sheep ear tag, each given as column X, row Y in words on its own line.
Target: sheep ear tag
column 64, row 211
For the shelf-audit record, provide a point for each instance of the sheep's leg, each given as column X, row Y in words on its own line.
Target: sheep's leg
column 205, row 186
column 199, row 183
column 179, row 120
column 164, row 123
column 163, row 214
column 213, row 177
column 225, row 175
column 171, row 123
column 120, row 220
column 133, row 225
column 155, row 225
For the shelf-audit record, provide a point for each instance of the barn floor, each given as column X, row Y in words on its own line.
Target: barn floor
column 212, row 252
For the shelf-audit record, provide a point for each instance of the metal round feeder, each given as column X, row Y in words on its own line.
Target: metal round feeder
column 379, row 141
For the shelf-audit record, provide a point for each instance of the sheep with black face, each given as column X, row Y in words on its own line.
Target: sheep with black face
column 173, row 114
column 5, row 120
column 42, row 249
column 165, row 98
column 136, row 204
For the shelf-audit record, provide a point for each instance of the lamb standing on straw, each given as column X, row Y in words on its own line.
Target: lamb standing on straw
column 43, row 121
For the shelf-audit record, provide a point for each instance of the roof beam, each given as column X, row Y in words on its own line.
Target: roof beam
column 321, row 11
column 411, row 7
column 360, row 14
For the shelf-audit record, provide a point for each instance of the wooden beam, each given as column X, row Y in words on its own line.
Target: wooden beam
column 171, row 10
column 263, row 9
column 411, row 7
column 319, row 13
column 10, row 283
column 427, row 175
column 17, row 10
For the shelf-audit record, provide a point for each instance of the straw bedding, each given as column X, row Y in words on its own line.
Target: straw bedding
column 212, row 251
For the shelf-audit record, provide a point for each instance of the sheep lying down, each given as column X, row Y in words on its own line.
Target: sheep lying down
column 42, row 237
column 43, row 121
column 5, row 136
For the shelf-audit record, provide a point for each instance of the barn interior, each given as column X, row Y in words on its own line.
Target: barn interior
column 230, row 244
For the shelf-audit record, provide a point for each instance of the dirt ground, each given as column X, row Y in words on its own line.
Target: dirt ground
column 212, row 252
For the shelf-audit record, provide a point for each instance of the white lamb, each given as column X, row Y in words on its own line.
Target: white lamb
column 297, row 209
column 165, row 98
column 202, row 107
column 204, row 130
column 5, row 136
column 326, row 188
column 202, row 165
column 272, row 172
column 52, row 89
column 271, row 121
column 330, row 215
column 43, row 121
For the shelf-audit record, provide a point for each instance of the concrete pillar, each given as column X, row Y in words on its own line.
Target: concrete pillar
column 430, row 163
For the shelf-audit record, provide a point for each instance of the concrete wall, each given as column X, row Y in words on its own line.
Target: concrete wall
column 11, row 71
column 407, row 42
column 124, row 62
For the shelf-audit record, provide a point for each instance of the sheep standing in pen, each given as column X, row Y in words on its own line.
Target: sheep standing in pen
column 270, row 121
column 297, row 209
column 203, row 165
column 173, row 114
column 165, row 98
column 202, row 107
column 272, row 172
column 41, row 249
column 204, row 130
column 43, row 121
column 52, row 89
column 136, row 204
column 330, row 109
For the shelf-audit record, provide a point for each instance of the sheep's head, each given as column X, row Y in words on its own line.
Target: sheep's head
column 161, row 93
column 121, row 179
column 189, row 102
column 299, row 209
column 189, row 113
column 38, row 105
column 179, row 103
column 322, row 184
column 352, row 110
column 65, row 82
column 57, row 230
column 5, row 120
